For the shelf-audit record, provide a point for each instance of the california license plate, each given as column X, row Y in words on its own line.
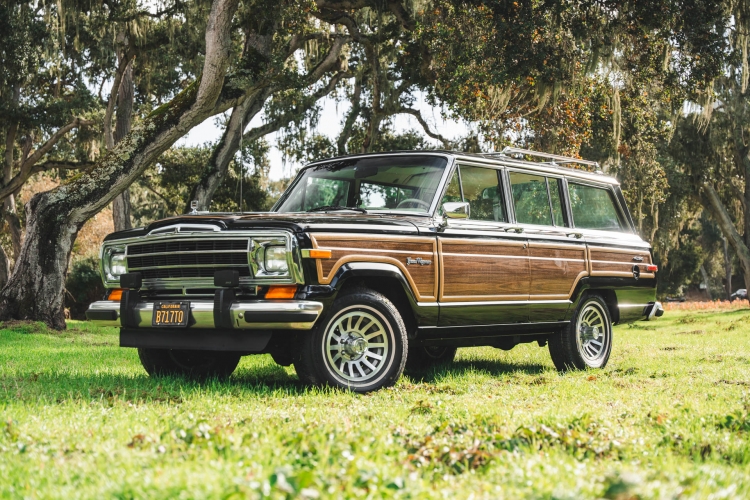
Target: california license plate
column 171, row 314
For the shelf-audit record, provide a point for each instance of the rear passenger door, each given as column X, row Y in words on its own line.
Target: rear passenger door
column 484, row 267
column 557, row 254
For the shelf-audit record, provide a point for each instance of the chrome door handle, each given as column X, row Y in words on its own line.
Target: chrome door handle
column 514, row 229
column 576, row 235
column 638, row 258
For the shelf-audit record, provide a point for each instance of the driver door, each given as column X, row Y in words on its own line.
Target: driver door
column 484, row 267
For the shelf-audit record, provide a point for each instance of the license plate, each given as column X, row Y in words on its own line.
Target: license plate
column 171, row 314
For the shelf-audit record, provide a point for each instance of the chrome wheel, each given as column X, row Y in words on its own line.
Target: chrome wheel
column 593, row 334
column 357, row 344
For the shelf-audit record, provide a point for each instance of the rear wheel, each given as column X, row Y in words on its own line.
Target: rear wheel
column 422, row 358
column 587, row 340
column 360, row 345
column 193, row 364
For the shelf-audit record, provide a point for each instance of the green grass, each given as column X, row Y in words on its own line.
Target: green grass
column 668, row 417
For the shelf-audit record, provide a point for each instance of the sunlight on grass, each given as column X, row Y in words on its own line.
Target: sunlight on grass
column 669, row 416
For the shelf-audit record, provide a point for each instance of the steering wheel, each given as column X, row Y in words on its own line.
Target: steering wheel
column 416, row 201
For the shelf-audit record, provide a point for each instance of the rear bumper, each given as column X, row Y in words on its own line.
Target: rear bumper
column 244, row 315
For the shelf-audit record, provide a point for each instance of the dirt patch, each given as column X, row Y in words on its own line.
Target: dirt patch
column 16, row 326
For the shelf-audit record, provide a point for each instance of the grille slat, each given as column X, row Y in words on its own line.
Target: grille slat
column 188, row 258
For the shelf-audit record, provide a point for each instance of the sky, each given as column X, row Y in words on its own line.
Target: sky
column 330, row 124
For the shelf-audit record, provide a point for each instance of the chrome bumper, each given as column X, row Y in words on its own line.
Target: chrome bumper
column 255, row 315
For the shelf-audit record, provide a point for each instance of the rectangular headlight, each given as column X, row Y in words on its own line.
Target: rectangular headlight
column 113, row 262
column 275, row 260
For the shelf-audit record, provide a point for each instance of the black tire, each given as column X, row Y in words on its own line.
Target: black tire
column 575, row 347
column 423, row 358
column 343, row 349
column 191, row 364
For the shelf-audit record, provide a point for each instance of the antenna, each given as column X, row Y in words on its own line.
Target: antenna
column 242, row 159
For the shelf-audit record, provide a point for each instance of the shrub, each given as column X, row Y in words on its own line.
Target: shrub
column 83, row 286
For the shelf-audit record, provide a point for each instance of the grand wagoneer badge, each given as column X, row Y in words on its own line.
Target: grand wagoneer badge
column 418, row 260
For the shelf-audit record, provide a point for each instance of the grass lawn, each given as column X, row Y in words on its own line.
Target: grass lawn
column 668, row 417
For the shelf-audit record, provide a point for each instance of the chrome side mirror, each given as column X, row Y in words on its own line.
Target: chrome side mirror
column 456, row 210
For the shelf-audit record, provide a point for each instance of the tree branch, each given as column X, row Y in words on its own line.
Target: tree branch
column 26, row 168
column 418, row 115
column 108, row 135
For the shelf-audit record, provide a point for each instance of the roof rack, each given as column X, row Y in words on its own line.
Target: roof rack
column 557, row 160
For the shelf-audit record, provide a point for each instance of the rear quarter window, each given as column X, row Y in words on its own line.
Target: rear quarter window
column 594, row 208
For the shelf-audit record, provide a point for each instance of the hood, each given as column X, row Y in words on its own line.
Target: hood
column 295, row 222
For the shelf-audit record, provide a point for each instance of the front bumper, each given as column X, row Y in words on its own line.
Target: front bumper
column 244, row 315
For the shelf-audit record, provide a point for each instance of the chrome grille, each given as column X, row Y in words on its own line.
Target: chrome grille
column 188, row 258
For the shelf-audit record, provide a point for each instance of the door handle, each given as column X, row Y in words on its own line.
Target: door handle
column 575, row 235
column 638, row 258
column 514, row 229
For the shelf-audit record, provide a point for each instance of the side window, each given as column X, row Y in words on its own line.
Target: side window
column 530, row 199
column 482, row 191
column 453, row 193
column 555, row 193
column 594, row 208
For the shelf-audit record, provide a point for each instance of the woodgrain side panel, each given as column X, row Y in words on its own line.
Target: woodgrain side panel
column 483, row 270
column 618, row 262
column 382, row 249
column 555, row 270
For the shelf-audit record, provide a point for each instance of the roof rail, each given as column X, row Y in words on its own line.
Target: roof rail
column 556, row 159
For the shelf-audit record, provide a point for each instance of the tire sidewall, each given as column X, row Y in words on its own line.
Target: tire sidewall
column 580, row 360
column 377, row 305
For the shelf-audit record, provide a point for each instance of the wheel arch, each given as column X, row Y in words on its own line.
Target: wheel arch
column 586, row 289
column 386, row 279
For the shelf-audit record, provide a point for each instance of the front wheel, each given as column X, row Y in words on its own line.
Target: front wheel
column 587, row 340
column 360, row 345
column 185, row 363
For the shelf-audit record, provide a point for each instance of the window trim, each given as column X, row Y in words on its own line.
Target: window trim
column 502, row 182
column 563, row 199
column 610, row 188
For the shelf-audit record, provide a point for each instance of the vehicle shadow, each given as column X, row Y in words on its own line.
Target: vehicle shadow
column 477, row 366
column 270, row 380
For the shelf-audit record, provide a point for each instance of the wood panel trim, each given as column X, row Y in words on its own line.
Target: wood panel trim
column 472, row 241
column 324, row 280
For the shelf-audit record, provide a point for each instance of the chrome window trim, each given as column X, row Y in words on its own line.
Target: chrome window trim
column 295, row 274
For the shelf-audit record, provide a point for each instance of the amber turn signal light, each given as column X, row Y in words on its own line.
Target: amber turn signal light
column 316, row 253
column 115, row 294
column 281, row 292
column 651, row 268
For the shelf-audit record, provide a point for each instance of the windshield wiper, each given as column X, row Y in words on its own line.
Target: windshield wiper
column 331, row 208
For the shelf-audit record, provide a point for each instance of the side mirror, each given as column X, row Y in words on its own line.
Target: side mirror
column 456, row 210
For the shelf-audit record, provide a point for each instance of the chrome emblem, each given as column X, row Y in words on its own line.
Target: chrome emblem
column 418, row 260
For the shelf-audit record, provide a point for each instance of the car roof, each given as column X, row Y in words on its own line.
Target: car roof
column 490, row 159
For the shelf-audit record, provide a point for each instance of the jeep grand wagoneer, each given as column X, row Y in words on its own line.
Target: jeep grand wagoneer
column 372, row 263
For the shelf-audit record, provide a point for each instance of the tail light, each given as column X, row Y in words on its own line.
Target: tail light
column 651, row 268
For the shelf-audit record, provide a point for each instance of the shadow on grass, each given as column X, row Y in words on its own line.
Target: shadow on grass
column 263, row 381
column 468, row 367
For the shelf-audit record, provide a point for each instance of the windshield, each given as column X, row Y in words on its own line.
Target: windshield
column 392, row 183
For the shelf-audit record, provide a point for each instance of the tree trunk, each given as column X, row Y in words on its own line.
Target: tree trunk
column 4, row 267
column 727, row 267
column 123, row 121
column 35, row 288
column 719, row 213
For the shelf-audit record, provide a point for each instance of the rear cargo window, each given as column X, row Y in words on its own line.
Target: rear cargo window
column 594, row 208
